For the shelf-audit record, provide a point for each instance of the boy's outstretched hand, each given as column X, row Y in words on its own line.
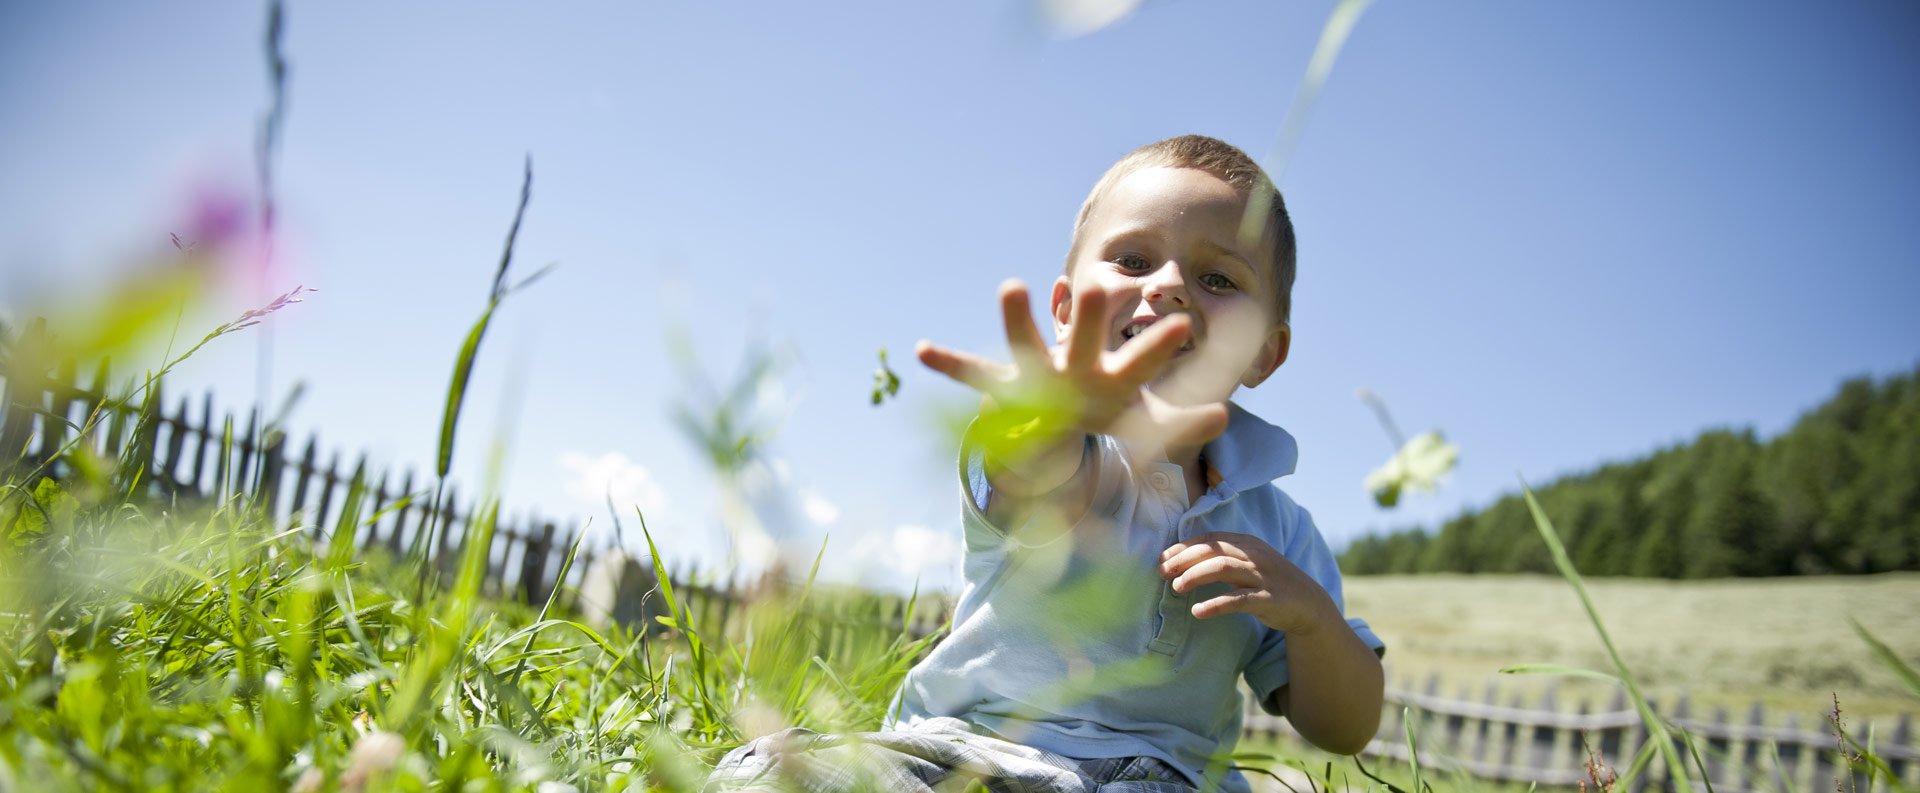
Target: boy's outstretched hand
column 1265, row 584
column 1055, row 395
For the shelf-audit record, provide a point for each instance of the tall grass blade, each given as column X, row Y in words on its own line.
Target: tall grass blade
column 1656, row 728
column 1889, row 658
column 1413, row 749
column 463, row 365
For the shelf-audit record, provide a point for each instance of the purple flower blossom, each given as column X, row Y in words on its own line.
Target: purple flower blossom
column 252, row 316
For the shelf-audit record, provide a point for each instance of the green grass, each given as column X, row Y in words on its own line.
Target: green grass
column 1784, row 642
column 149, row 649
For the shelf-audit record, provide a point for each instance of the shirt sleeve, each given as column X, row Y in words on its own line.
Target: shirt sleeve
column 1037, row 528
column 1307, row 550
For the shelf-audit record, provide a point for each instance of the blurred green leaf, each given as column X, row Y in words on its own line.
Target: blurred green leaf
column 1418, row 465
column 50, row 507
column 885, row 383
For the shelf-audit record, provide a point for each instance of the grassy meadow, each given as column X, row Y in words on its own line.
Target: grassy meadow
column 1785, row 642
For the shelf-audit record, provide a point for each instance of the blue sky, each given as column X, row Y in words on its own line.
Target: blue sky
column 1561, row 233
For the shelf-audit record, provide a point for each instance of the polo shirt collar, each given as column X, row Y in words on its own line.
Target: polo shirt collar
column 1252, row 452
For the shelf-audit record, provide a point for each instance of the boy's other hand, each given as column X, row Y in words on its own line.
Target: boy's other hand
column 1080, row 385
column 1265, row 584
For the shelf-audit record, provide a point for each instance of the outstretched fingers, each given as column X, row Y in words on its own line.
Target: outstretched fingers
column 1016, row 313
column 976, row 372
column 1141, row 360
column 1087, row 337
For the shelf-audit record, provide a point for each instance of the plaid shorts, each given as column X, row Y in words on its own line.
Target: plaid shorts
column 940, row 755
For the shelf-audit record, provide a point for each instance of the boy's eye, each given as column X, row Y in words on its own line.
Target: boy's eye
column 1217, row 281
column 1132, row 261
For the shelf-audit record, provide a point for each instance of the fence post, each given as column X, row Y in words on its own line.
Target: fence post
column 533, row 564
column 146, row 434
column 329, row 478
column 176, row 442
column 94, row 401
column 448, row 514
column 1902, row 736
column 1540, row 739
column 200, row 452
column 273, row 462
column 17, row 410
column 304, row 470
column 61, row 394
column 400, row 515
column 243, row 466
column 373, row 524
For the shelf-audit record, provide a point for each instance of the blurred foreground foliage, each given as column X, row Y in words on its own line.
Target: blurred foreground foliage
column 1837, row 493
column 200, row 647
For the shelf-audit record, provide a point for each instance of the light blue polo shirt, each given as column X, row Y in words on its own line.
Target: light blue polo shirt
column 1066, row 639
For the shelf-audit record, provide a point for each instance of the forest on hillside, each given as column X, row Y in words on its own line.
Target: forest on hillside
column 1839, row 492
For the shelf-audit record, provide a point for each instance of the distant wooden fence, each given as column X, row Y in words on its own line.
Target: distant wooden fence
column 1546, row 744
column 187, row 454
column 191, row 453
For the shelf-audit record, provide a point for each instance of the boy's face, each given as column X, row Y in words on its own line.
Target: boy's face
column 1166, row 241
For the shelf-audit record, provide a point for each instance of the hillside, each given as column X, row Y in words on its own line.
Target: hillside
column 1839, row 492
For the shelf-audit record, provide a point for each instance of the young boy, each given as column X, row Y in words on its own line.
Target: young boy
column 1127, row 557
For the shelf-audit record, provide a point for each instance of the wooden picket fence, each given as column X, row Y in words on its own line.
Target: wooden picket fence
column 189, row 455
column 1548, row 744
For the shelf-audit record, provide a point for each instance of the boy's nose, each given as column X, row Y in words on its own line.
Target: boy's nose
column 1167, row 283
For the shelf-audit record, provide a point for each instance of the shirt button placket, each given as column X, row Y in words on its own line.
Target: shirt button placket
column 1176, row 615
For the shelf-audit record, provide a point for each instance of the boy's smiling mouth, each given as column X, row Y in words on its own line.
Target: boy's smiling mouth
column 1138, row 325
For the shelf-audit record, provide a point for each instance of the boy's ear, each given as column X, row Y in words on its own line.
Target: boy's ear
column 1273, row 352
column 1061, row 305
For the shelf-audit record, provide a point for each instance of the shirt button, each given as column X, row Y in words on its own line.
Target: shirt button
column 1159, row 480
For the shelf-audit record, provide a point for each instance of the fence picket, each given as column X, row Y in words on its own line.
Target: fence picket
column 140, row 446
column 447, row 515
column 200, row 449
column 108, row 427
column 273, row 462
column 329, row 479
column 176, row 442
column 59, row 402
column 372, row 539
column 243, row 466
column 16, row 426
column 1903, row 736
column 1747, row 762
column 306, row 471
column 1539, row 753
column 395, row 538
column 533, row 565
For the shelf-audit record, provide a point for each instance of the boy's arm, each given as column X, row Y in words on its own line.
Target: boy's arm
column 1334, row 683
column 1055, row 476
column 1334, row 689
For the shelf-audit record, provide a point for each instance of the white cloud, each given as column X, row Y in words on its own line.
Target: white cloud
column 819, row 510
column 906, row 555
column 593, row 478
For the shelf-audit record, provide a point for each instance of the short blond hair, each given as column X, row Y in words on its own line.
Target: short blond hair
column 1230, row 165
